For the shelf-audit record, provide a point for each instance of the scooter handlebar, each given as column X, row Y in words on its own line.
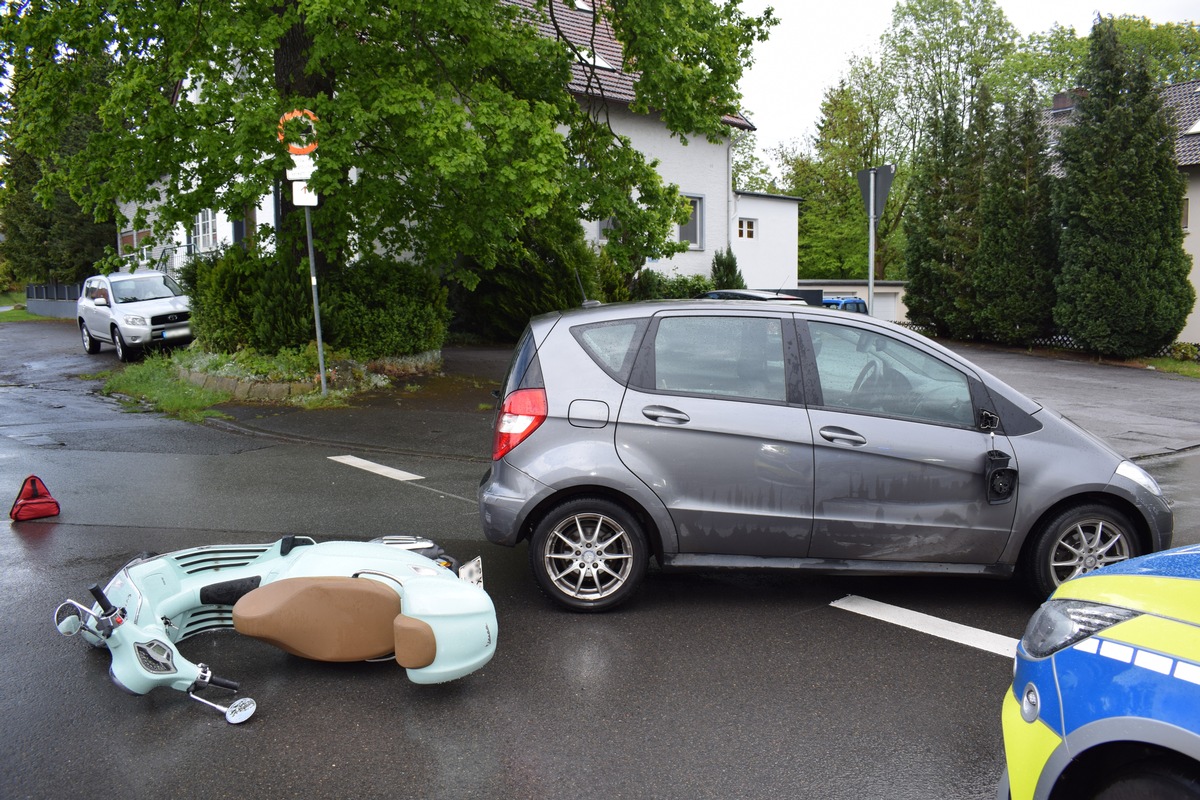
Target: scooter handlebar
column 101, row 598
column 223, row 683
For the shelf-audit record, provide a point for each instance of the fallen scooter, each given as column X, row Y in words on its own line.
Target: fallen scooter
column 397, row 597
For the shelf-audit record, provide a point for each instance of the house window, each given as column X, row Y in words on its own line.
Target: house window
column 692, row 231
column 204, row 233
column 131, row 240
column 747, row 228
column 1183, row 215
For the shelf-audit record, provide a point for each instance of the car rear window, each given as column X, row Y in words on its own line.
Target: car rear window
column 611, row 344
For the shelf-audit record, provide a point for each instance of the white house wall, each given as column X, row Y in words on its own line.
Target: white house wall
column 700, row 169
column 768, row 260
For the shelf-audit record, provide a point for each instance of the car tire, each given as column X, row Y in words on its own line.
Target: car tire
column 90, row 345
column 1153, row 781
column 123, row 351
column 588, row 554
column 1078, row 540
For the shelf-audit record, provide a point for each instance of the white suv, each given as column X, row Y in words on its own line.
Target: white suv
column 133, row 310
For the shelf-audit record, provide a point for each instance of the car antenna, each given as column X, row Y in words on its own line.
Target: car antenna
column 586, row 303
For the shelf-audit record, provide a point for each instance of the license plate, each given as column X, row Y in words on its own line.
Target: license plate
column 173, row 333
column 472, row 571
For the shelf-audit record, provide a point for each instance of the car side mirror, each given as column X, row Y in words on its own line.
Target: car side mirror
column 101, row 300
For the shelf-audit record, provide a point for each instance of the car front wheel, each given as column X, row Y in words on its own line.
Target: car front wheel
column 588, row 554
column 90, row 345
column 123, row 351
column 1077, row 541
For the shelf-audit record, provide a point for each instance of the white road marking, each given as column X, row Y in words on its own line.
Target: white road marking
column 396, row 474
column 378, row 469
column 963, row 634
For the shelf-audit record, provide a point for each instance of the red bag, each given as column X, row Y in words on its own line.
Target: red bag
column 34, row 501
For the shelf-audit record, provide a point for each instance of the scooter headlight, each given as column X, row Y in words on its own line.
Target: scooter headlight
column 1058, row 624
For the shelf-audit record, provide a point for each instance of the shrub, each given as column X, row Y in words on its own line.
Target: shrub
column 725, row 272
column 651, row 285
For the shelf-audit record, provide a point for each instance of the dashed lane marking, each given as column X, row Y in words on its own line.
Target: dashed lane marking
column 396, row 475
column 378, row 469
column 934, row 626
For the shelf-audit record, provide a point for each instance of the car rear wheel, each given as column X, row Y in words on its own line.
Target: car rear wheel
column 588, row 554
column 90, row 345
column 123, row 352
column 1153, row 781
column 1079, row 540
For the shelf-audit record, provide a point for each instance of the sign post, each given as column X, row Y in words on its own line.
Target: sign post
column 874, row 183
column 301, row 196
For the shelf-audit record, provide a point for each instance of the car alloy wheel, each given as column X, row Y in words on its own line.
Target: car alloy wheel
column 588, row 554
column 1080, row 540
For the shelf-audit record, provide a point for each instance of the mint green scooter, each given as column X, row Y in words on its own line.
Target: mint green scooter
column 399, row 597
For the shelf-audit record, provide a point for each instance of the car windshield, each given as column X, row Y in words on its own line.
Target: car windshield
column 148, row 287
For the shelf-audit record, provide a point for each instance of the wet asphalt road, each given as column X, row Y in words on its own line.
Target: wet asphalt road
column 707, row 685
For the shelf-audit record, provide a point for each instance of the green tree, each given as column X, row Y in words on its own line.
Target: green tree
column 443, row 127
column 853, row 134
column 725, row 272
column 48, row 238
column 750, row 171
column 1124, row 289
column 943, row 225
column 1012, row 274
column 1053, row 60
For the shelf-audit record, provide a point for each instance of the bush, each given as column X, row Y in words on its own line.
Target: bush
column 651, row 285
column 725, row 272
column 376, row 308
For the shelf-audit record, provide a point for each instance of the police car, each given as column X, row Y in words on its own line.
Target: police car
column 1105, row 699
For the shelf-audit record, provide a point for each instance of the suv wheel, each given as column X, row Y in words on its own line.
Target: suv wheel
column 123, row 353
column 90, row 345
column 588, row 554
column 1079, row 540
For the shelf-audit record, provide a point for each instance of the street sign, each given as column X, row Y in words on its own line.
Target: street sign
column 302, row 195
column 308, row 142
column 302, row 169
column 883, row 184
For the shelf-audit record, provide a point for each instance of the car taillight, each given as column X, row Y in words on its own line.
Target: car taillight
column 520, row 415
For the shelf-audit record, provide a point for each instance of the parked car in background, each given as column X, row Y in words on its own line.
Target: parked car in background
column 1105, row 699
column 764, row 434
column 751, row 294
column 854, row 305
column 132, row 311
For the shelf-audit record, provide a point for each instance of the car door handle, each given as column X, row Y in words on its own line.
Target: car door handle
column 832, row 434
column 670, row 416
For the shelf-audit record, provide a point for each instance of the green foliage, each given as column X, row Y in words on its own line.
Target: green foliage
column 750, row 172
column 442, row 126
column 653, row 285
column 221, row 288
column 555, row 269
column 1124, row 289
column 155, row 383
column 378, row 308
column 1013, row 270
column 942, row 228
column 725, row 272
column 47, row 238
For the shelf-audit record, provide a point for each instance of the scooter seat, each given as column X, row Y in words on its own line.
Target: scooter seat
column 334, row 619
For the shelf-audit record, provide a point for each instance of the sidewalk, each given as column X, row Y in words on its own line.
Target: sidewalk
column 1140, row 413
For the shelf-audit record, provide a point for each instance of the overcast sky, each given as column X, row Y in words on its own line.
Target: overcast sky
column 810, row 47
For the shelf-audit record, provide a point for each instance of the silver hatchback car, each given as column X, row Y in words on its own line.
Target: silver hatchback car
column 712, row 434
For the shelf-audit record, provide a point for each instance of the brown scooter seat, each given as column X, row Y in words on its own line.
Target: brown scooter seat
column 335, row 619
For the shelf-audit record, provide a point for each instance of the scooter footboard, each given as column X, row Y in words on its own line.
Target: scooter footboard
column 463, row 621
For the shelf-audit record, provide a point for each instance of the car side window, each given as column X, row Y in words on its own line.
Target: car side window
column 868, row 372
column 612, row 345
column 738, row 357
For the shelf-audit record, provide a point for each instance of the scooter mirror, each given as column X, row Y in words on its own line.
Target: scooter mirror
column 240, row 710
column 66, row 619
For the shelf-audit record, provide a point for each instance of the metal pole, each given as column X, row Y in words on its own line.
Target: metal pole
column 312, row 271
column 870, row 247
